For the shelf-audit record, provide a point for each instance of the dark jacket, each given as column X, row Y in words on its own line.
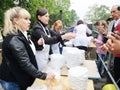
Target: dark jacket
column 38, row 32
column 19, row 63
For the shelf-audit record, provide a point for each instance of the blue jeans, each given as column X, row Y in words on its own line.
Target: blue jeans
column 100, row 63
column 9, row 85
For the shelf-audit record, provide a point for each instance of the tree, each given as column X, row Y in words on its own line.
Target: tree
column 5, row 4
column 53, row 6
column 70, row 17
column 96, row 13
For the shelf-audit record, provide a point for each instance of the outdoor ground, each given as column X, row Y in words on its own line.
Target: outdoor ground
column 98, row 84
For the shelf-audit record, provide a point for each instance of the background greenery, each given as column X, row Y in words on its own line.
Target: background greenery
column 58, row 9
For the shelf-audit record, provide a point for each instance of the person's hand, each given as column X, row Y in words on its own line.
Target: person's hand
column 68, row 36
column 93, row 40
column 113, row 43
column 50, row 76
column 103, row 47
column 41, row 41
column 107, row 46
column 115, row 35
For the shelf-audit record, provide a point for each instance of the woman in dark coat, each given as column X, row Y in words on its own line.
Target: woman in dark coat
column 18, row 69
column 40, row 30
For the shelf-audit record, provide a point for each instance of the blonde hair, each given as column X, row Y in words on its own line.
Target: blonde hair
column 57, row 23
column 9, row 25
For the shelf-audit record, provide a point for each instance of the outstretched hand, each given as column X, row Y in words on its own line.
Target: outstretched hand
column 68, row 36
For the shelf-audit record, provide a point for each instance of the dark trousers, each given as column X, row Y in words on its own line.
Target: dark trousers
column 117, row 70
column 99, row 63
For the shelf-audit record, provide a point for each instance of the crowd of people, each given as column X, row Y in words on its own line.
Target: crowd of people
column 112, row 44
column 107, row 44
column 24, row 58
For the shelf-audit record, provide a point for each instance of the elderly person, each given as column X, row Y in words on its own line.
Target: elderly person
column 115, row 13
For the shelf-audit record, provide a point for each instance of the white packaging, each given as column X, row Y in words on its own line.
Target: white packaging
column 77, row 78
column 73, row 56
column 57, row 61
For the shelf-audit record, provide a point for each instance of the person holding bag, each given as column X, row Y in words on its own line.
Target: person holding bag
column 41, row 31
column 18, row 69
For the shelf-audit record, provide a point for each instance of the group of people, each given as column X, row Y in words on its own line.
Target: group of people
column 108, row 42
column 23, row 59
column 113, row 42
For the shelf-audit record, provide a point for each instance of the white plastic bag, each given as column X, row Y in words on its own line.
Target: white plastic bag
column 78, row 78
column 73, row 56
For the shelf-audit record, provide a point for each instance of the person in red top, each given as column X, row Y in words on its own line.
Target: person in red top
column 117, row 31
column 117, row 58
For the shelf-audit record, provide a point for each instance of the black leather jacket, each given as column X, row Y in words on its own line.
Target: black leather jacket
column 38, row 32
column 19, row 63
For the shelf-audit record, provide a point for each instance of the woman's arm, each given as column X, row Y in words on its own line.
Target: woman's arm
column 21, row 54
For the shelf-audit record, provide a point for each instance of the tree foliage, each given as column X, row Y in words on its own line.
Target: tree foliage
column 96, row 13
column 54, row 8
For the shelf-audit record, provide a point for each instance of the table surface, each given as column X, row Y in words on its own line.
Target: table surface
column 63, row 82
column 92, row 69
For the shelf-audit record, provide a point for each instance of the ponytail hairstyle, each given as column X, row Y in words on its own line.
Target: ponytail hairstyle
column 10, row 26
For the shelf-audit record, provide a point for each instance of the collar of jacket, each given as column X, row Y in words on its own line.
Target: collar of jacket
column 42, row 23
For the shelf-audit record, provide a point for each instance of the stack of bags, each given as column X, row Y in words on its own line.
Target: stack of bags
column 77, row 78
column 73, row 56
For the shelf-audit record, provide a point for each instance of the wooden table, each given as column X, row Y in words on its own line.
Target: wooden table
column 63, row 83
column 92, row 69
column 92, row 73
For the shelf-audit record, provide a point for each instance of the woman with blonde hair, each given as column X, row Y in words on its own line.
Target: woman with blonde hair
column 57, row 27
column 18, row 69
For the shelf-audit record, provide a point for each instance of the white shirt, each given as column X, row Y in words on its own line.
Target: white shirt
column 81, row 38
column 31, row 44
column 117, row 22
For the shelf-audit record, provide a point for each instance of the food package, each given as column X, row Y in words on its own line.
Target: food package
column 57, row 61
column 73, row 56
column 77, row 78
